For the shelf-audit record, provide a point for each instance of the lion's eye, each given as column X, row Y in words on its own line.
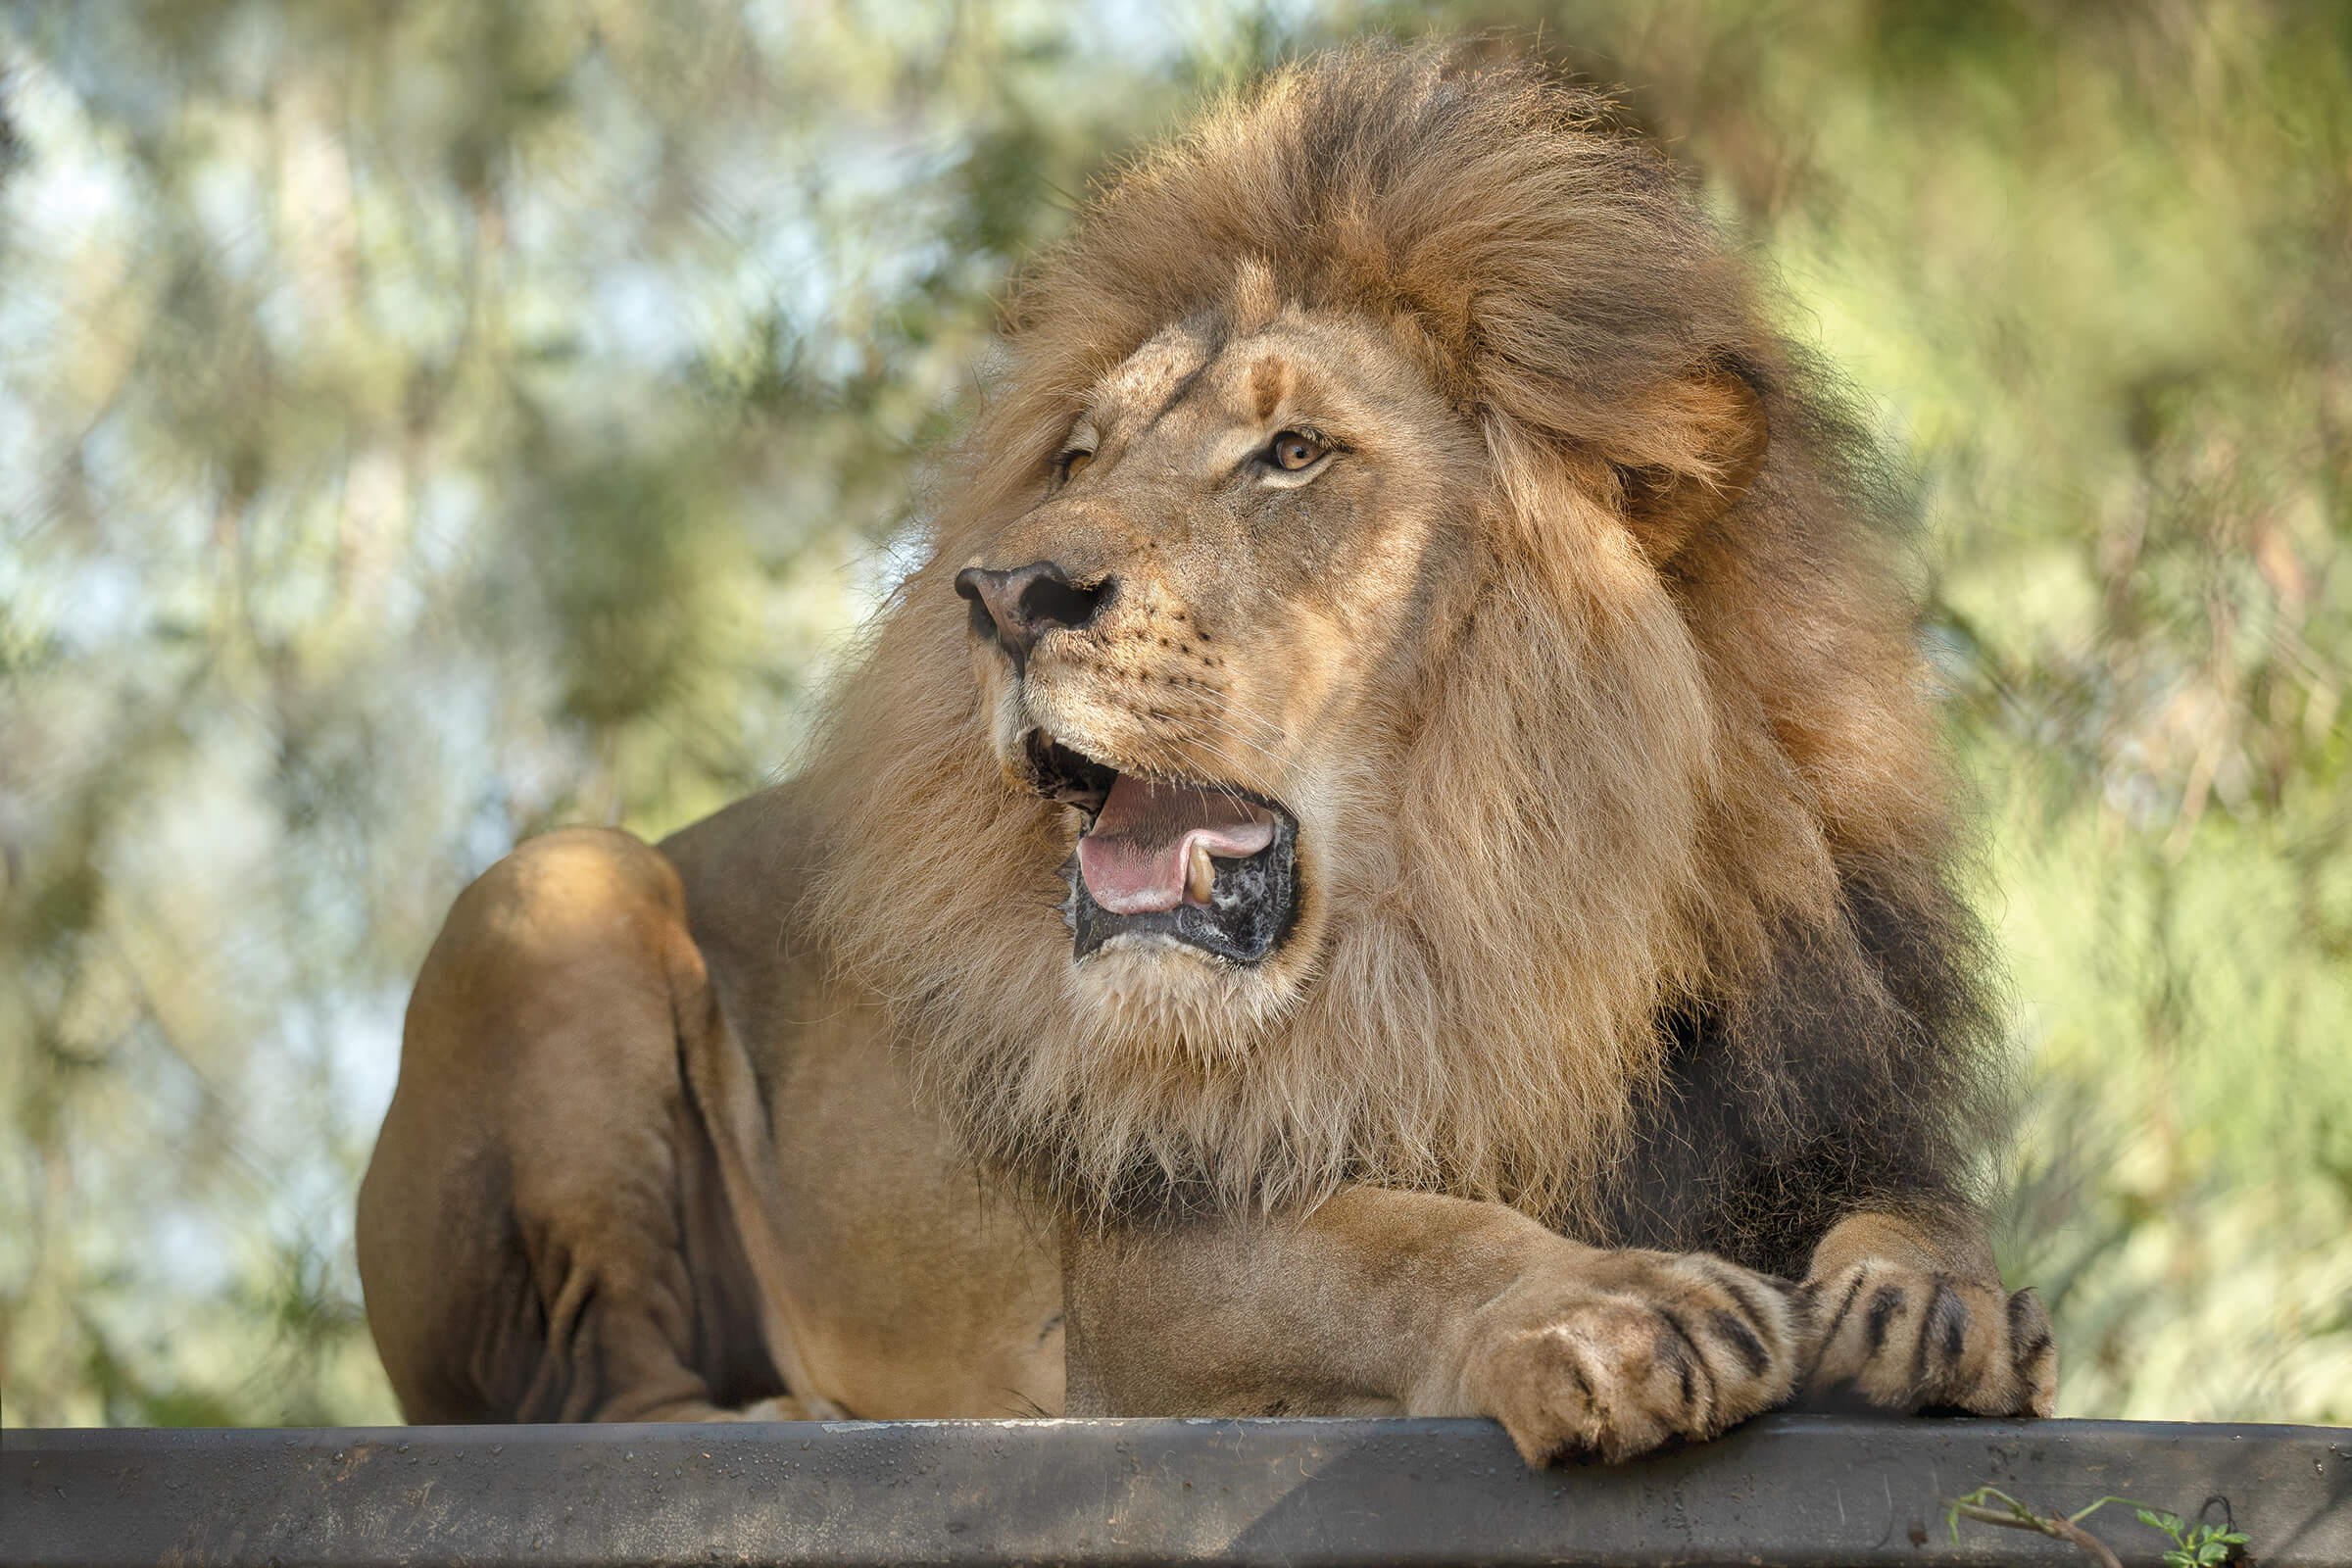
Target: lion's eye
column 1292, row 451
column 1068, row 465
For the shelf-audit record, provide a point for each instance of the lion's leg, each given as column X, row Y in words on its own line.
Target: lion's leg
column 1405, row 1302
column 1912, row 1315
column 542, row 1233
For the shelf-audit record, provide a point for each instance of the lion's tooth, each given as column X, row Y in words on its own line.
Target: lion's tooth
column 1200, row 876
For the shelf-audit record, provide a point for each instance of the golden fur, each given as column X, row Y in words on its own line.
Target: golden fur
column 1618, row 1069
column 1638, row 742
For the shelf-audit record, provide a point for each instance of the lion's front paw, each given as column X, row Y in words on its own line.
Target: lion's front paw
column 1904, row 1339
column 1614, row 1354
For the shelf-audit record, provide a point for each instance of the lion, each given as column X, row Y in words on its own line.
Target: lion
column 1393, row 857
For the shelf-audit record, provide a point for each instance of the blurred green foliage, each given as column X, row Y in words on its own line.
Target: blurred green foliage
column 421, row 425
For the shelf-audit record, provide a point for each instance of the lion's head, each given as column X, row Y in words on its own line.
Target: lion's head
column 1406, row 634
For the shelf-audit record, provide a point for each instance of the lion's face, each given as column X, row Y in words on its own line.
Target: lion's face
column 1201, row 638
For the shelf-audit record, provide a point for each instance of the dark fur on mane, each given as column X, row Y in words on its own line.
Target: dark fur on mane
column 1857, row 1074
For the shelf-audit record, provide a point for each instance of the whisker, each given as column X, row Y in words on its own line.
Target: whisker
column 1227, row 703
column 1212, row 722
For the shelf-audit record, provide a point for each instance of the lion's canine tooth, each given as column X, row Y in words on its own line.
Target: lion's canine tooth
column 1200, row 876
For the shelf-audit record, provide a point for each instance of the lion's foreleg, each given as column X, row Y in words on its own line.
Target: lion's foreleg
column 1382, row 1301
column 1912, row 1315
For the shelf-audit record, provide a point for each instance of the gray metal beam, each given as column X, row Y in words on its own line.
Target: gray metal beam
column 1787, row 1490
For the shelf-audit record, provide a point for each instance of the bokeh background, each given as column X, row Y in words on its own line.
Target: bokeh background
column 424, row 425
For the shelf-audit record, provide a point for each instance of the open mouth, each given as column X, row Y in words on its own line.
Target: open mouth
column 1209, row 865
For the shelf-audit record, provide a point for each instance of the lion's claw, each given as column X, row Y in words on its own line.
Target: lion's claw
column 1908, row 1339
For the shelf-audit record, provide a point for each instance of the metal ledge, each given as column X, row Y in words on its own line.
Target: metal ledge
column 1787, row 1490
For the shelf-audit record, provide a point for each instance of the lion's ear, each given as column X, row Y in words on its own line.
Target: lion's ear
column 1702, row 445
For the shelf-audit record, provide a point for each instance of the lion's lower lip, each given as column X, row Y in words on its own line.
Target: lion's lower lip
column 1240, row 912
column 1249, row 911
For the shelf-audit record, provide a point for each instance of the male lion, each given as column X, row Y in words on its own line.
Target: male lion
column 1392, row 859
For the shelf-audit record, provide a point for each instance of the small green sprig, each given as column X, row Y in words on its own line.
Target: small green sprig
column 2195, row 1545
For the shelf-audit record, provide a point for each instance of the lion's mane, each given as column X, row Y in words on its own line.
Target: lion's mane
column 1663, row 947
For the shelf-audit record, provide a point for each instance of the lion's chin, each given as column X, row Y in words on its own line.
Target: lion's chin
column 1151, row 992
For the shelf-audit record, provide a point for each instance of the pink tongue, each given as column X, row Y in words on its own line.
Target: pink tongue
column 1134, row 859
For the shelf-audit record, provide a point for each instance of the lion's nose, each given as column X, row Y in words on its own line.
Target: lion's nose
column 1016, row 607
